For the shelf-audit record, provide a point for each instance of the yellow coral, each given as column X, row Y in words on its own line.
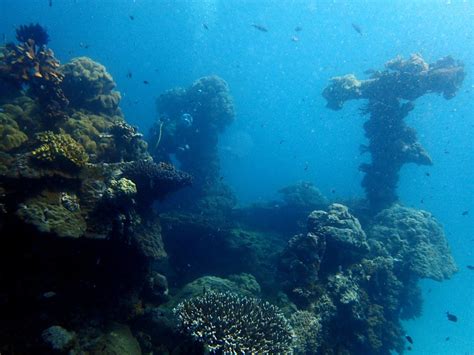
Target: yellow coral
column 59, row 148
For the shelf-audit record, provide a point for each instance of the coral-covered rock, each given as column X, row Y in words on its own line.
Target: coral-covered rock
column 307, row 327
column 417, row 239
column 58, row 339
column 346, row 242
column 88, row 85
column 303, row 195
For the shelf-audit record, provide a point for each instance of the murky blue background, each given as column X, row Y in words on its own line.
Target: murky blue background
column 283, row 131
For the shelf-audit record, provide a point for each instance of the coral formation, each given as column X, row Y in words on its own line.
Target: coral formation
column 59, row 150
column 89, row 86
column 417, row 239
column 303, row 195
column 390, row 94
column 32, row 63
column 188, row 128
column 230, row 323
column 154, row 180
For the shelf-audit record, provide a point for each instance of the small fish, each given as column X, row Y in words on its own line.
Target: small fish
column 447, row 338
column 298, row 29
column 131, row 17
column 409, row 348
column 357, row 28
column 50, row 3
column 281, row 141
column 306, row 167
column 260, row 27
column 129, row 74
column 83, row 45
column 470, row 267
column 451, row 317
column 294, row 39
column 146, row 82
column 427, row 174
column 333, row 191
column 465, row 213
column 409, row 338
column 206, row 27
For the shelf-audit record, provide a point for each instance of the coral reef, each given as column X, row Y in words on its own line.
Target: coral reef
column 230, row 323
column 303, row 195
column 89, row 86
column 79, row 237
column 390, row 94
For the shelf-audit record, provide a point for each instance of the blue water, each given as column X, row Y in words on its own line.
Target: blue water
column 283, row 132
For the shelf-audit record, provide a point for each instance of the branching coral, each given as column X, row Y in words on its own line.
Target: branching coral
column 391, row 142
column 60, row 150
column 228, row 323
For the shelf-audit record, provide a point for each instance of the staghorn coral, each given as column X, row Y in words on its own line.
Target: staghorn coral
column 417, row 239
column 59, row 150
column 228, row 323
column 88, row 85
column 391, row 142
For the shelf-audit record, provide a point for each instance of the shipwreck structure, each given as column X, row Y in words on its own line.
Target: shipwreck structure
column 391, row 94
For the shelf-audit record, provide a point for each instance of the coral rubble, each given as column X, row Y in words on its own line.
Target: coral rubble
column 391, row 94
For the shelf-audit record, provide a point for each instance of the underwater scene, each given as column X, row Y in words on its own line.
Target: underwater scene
column 236, row 177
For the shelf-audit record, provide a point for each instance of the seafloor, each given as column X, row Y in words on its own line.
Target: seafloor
column 107, row 248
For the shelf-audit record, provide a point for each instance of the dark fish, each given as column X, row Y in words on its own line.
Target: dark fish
column 427, row 174
column 451, row 317
column 357, row 28
column 50, row 3
column 131, row 17
column 470, row 267
column 205, row 26
column 409, row 348
column 333, row 191
column 260, row 27
column 129, row 74
column 447, row 338
column 281, row 141
column 146, row 82
column 465, row 213
column 409, row 339
column 298, row 28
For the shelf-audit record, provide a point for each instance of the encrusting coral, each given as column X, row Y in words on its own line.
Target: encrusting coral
column 390, row 94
